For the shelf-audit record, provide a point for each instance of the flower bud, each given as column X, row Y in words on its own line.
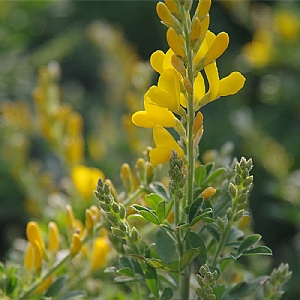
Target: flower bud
column 54, row 237
column 89, row 223
column 208, row 192
column 34, row 234
column 175, row 42
column 76, row 244
column 126, row 177
column 134, row 235
column 69, row 217
column 171, row 4
column 164, row 14
column 122, row 211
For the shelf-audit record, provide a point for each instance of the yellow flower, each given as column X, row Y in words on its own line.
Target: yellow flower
column 85, row 179
column 165, row 143
column 54, row 237
column 76, row 244
column 164, row 14
column 217, row 88
column 100, row 252
column 259, row 52
column 34, row 234
column 212, row 47
column 153, row 115
column 175, row 42
column 287, row 25
column 167, row 92
column 161, row 61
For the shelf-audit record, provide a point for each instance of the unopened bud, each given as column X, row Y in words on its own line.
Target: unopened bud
column 208, row 192
column 134, row 235
column 76, row 244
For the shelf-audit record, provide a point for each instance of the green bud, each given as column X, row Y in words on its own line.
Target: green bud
column 122, row 211
column 115, row 207
column 108, row 199
column 123, row 227
column 238, row 179
column 220, row 223
column 248, row 182
column 229, row 213
column 134, row 235
column 118, row 233
column 112, row 218
column 106, row 189
column 104, row 206
column 249, row 164
column 238, row 215
column 98, row 195
column 232, row 190
column 243, row 198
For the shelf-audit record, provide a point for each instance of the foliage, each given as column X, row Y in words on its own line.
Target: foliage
column 182, row 234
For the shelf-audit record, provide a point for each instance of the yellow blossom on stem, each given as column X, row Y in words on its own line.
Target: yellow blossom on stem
column 217, row 88
column 76, row 244
column 164, row 14
column 208, row 192
column 100, row 252
column 167, row 92
column 161, row 61
column 34, row 234
column 54, row 237
column 203, row 8
column 44, row 285
column 172, row 6
column 165, row 143
column 175, row 42
column 153, row 115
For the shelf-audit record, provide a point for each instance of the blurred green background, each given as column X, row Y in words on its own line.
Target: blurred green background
column 84, row 37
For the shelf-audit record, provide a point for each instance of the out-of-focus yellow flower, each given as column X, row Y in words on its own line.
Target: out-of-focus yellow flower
column 54, row 237
column 167, row 92
column 45, row 284
column 165, row 143
column 76, row 244
column 153, row 115
column 176, row 42
column 287, row 25
column 208, row 192
column 34, row 234
column 100, row 252
column 259, row 52
column 85, row 179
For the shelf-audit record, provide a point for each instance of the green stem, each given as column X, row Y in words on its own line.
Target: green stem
column 48, row 274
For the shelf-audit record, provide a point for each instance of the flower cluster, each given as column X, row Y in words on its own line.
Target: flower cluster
column 181, row 90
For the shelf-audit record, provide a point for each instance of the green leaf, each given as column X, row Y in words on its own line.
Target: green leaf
column 203, row 215
column 152, row 200
column 149, row 216
column 195, row 208
column 234, row 235
column 164, row 245
column 160, row 211
column 139, row 208
column 122, row 278
column 160, row 189
column 188, row 257
column 167, row 294
column 214, row 175
column 118, row 232
column 56, row 286
column 245, row 289
column 249, row 242
column 218, row 291
column 159, row 264
column 151, row 279
column 126, row 272
column 73, row 295
column 260, row 250
column 200, row 175
column 196, row 241
column 209, row 167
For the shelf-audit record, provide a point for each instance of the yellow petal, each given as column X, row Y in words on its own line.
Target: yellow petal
column 196, row 29
column 172, row 6
column 34, row 234
column 167, row 93
column 28, row 257
column 231, row 84
column 54, row 237
column 159, row 155
column 175, row 42
column 213, row 79
column 142, row 119
column 165, row 143
column 159, row 115
column 156, row 61
column 167, row 60
column 164, row 13
column 204, row 27
column 203, row 8
column 76, row 244
column 100, row 252
column 199, row 88
column 217, row 48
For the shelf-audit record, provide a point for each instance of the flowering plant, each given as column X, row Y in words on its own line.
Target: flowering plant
column 184, row 237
